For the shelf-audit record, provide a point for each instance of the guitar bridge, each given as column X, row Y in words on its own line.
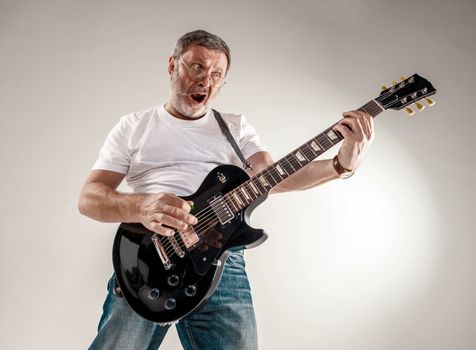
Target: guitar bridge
column 161, row 251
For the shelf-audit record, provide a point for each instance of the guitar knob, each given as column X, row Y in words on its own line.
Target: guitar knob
column 191, row 290
column 154, row 293
column 173, row 280
column 170, row 304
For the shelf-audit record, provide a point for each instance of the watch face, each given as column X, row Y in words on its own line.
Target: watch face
column 346, row 174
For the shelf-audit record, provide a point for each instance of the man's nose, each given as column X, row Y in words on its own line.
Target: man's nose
column 204, row 80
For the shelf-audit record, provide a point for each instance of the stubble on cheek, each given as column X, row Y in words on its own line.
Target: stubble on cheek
column 180, row 100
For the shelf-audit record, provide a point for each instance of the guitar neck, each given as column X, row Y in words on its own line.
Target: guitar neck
column 263, row 182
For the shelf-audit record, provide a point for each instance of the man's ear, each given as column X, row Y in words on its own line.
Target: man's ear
column 171, row 66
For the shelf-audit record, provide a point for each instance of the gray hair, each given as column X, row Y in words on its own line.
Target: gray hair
column 201, row 38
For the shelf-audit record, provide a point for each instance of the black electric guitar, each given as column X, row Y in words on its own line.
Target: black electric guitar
column 165, row 278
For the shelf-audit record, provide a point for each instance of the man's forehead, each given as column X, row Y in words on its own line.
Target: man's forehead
column 202, row 54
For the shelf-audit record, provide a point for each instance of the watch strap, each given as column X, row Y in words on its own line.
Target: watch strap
column 341, row 171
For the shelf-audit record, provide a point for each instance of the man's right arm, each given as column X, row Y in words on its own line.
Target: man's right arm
column 100, row 200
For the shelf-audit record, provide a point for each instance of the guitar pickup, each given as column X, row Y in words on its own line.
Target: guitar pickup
column 176, row 246
column 189, row 237
column 221, row 209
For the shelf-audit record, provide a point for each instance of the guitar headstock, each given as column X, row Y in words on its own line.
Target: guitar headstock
column 409, row 90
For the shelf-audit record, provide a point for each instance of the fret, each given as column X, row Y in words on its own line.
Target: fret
column 245, row 193
column 290, row 158
column 332, row 136
column 288, row 168
column 230, row 203
column 299, row 156
column 309, row 152
column 311, row 155
column 281, row 171
column 241, row 196
column 298, row 163
column 258, row 185
column 315, row 146
column 372, row 108
column 273, row 176
column 263, row 181
column 325, row 142
column 237, row 199
column 254, row 188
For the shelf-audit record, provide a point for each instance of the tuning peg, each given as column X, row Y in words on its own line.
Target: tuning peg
column 403, row 78
column 430, row 102
column 394, row 83
column 419, row 106
column 384, row 88
column 409, row 111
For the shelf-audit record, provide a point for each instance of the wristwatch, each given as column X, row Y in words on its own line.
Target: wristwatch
column 341, row 171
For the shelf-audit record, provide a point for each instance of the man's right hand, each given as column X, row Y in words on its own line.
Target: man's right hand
column 166, row 209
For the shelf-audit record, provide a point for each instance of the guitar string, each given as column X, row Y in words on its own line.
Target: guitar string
column 319, row 137
column 204, row 226
column 208, row 211
column 210, row 222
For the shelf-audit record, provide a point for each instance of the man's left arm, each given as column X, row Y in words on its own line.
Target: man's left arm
column 358, row 132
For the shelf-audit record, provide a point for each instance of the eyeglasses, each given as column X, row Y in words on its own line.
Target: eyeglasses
column 196, row 72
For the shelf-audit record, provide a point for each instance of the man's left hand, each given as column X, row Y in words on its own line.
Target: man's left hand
column 358, row 130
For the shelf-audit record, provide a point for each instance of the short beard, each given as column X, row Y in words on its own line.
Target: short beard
column 178, row 98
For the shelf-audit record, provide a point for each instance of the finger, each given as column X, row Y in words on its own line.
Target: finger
column 356, row 125
column 161, row 230
column 366, row 127
column 179, row 213
column 351, row 114
column 203, row 247
column 167, row 220
column 214, row 244
column 369, row 122
column 213, row 236
column 344, row 130
column 176, row 201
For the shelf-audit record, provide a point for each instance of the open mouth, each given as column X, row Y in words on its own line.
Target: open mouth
column 199, row 98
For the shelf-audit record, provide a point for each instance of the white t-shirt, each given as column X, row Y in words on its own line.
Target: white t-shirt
column 161, row 153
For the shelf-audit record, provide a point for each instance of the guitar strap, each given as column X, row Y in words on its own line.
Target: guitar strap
column 226, row 131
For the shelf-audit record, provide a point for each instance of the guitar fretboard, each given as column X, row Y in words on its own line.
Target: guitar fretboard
column 263, row 182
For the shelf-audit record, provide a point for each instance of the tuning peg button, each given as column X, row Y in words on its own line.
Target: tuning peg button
column 403, row 78
column 394, row 83
column 419, row 106
column 409, row 111
column 430, row 102
column 384, row 88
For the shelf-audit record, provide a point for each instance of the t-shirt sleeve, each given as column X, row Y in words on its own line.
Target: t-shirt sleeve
column 115, row 154
column 250, row 142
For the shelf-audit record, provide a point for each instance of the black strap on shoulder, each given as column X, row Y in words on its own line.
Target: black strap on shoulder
column 226, row 131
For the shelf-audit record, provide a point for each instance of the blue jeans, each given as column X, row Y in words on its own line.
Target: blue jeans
column 225, row 321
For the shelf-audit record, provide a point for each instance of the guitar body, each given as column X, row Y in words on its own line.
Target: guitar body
column 165, row 294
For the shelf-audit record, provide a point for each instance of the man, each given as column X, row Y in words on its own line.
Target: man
column 165, row 152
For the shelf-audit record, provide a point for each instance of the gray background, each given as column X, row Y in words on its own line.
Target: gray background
column 384, row 260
